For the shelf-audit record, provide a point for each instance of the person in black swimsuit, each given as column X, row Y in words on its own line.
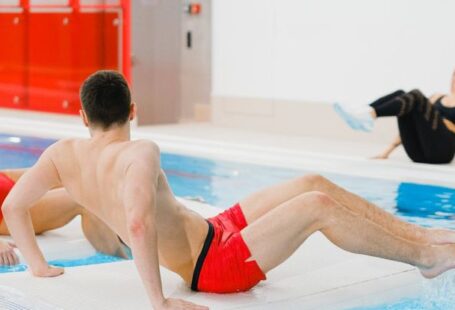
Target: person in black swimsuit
column 426, row 125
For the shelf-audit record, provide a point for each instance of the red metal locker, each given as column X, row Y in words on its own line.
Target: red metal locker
column 51, row 54
column 51, row 47
column 12, row 58
column 112, row 21
column 87, row 35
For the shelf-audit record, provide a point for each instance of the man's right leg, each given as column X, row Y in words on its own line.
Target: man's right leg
column 275, row 236
column 257, row 205
column 381, row 217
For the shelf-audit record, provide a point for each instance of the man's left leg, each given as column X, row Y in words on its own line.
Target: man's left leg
column 275, row 236
column 381, row 217
column 262, row 202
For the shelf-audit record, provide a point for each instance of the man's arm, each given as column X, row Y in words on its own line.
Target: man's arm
column 29, row 188
column 140, row 190
column 384, row 155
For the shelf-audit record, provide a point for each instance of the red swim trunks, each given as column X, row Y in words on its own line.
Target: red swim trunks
column 222, row 266
column 6, row 184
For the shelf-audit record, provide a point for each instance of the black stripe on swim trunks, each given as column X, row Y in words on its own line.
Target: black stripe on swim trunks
column 202, row 256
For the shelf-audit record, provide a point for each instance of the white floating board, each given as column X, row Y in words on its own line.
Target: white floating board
column 317, row 276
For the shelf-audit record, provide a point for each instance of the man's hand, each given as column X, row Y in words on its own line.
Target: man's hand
column 48, row 272
column 171, row 303
column 7, row 255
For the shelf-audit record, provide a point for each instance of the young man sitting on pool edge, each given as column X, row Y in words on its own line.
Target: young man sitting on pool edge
column 121, row 182
column 52, row 211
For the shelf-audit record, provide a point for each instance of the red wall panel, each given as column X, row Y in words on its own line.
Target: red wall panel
column 12, row 60
column 112, row 34
column 96, row 35
column 87, row 35
column 51, row 53
column 48, row 55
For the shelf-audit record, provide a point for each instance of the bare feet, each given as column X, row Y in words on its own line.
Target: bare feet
column 442, row 258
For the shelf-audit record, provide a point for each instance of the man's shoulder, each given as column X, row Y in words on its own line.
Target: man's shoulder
column 143, row 149
column 63, row 145
column 145, row 146
column 141, row 155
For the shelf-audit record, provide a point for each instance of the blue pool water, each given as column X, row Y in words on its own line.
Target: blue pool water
column 99, row 258
column 436, row 294
column 223, row 183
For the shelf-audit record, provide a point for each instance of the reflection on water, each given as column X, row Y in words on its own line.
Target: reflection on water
column 98, row 258
column 426, row 205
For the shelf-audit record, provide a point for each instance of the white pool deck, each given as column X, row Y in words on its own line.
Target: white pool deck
column 318, row 275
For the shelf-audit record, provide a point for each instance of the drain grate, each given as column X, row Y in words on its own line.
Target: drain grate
column 6, row 304
column 12, row 299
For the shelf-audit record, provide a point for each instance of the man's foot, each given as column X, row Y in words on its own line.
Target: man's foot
column 444, row 259
column 358, row 118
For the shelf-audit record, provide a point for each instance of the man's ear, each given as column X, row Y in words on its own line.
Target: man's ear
column 83, row 117
column 133, row 111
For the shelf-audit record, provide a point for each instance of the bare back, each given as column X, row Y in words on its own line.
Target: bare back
column 93, row 173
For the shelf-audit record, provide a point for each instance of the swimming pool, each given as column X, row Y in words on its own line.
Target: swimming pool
column 223, row 183
column 437, row 294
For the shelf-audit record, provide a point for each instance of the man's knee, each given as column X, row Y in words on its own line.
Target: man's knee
column 312, row 182
column 316, row 203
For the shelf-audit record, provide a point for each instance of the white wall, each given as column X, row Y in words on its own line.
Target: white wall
column 328, row 50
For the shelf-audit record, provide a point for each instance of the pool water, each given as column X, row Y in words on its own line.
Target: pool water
column 437, row 294
column 99, row 258
column 223, row 183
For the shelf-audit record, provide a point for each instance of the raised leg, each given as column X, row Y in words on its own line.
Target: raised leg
column 381, row 217
column 261, row 202
column 432, row 134
column 410, row 139
column 257, row 205
column 275, row 236
column 387, row 98
column 373, row 213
